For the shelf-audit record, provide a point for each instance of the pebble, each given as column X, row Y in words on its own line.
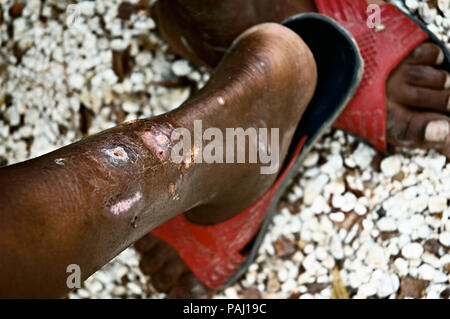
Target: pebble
column 314, row 187
column 412, row 4
column 437, row 204
column 387, row 224
column 86, row 8
column 181, row 68
column 13, row 116
column 366, row 290
column 348, row 202
column 426, row 272
column 130, row 107
column 83, row 293
column 360, row 209
column 401, row 266
column 76, row 81
column 134, row 288
column 376, row 257
column 337, row 217
column 412, row 251
column 119, row 291
column 444, row 238
column 391, row 165
column 444, row 5
column 143, row 59
column 428, row 14
column 311, row 159
column 363, row 155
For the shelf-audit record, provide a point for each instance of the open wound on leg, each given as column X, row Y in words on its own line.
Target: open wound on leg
column 157, row 140
column 119, row 154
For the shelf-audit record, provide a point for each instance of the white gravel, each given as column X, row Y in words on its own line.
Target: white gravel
column 381, row 219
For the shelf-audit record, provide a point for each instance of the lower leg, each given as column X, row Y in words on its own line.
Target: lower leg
column 86, row 202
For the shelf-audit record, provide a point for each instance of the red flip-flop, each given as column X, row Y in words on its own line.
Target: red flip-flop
column 219, row 254
column 382, row 46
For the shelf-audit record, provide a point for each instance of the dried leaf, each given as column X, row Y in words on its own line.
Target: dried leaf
column 18, row 52
column 315, row 288
column 251, row 293
column 3, row 161
column 338, row 289
column 376, row 162
column 122, row 63
column 284, row 247
column 273, row 284
column 295, row 295
column 432, row 246
column 447, row 268
column 351, row 219
column 125, row 10
column 85, row 119
column 16, row 10
column 143, row 4
column 413, row 288
column 145, row 44
column 388, row 235
column 400, row 176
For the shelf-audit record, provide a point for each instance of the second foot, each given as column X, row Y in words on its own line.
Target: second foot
column 419, row 101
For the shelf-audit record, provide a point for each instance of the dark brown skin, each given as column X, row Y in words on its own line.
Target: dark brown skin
column 85, row 203
column 202, row 30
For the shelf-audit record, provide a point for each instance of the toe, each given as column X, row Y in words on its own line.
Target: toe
column 426, row 53
column 146, row 243
column 421, row 97
column 411, row 128
column 169, row 274
column 154, row 259
column 189, row 287
column 428, row 77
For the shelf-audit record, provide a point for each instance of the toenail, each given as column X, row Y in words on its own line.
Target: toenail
column 157, row 139
column 437, row 131
column 447, row 82
column 440, row 58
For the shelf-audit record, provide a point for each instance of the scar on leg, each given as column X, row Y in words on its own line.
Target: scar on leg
column 172, row 189
column 187, row 163
column 173, row 192
column 134, row 221
column 131, row 122
column 157, row 140
column 116, row 155
column 125, row 205
column 59, row 161
column 221, row 100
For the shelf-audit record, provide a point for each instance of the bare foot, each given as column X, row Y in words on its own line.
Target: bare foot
column 419, row 101
column 270, row 75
